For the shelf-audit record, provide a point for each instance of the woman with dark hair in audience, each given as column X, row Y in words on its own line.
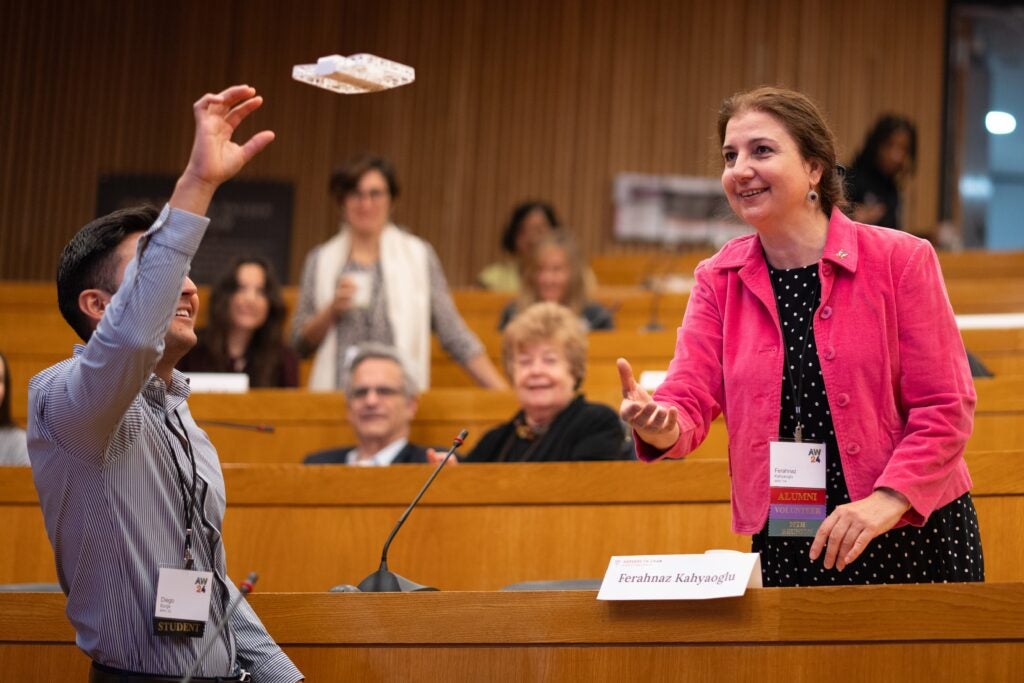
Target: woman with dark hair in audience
column 556, row 271
column 245, row 329
column 544, row 350
column 876, row 175
column 530, row 222
column 831, row 349
column 374, row 281
column 13, row 447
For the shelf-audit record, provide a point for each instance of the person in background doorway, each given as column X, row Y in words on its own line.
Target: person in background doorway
column 878, row 173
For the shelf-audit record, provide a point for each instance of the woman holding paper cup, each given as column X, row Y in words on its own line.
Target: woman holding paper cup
column 374, row 281
column 831, row 350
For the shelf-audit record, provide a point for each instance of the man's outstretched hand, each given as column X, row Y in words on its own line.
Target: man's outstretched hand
column 215, row 156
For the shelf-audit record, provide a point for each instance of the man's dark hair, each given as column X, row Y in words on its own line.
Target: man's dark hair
column 89, row 261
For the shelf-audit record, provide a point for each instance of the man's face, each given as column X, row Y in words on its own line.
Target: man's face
column 181, row 335
column 378, row 407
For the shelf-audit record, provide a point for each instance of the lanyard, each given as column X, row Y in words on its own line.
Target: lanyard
column 798, row 385
column 188, row 494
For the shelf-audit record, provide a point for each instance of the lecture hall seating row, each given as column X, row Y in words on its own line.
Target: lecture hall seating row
column 486, row 526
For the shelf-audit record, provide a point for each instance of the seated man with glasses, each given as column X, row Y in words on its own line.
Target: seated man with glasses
column 381, row 398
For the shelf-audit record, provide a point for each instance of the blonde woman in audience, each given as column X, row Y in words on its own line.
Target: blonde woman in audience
column 13, row 446
column 556, row 271
column 373, row 281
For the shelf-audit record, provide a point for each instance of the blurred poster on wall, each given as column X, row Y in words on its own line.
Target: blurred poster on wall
column 673, row 210
column 247, row 218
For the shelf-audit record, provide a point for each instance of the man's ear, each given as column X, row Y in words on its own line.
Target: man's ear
column 93, row 302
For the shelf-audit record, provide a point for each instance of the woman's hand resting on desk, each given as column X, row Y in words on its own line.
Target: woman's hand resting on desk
column 654, row 423
column 847, row 531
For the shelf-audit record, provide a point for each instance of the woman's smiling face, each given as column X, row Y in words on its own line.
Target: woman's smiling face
column 765, row 178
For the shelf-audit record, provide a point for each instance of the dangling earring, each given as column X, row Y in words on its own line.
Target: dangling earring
column 812, row 196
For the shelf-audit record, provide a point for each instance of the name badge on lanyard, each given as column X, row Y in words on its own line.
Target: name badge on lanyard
column 182, row 602
column 797, row 488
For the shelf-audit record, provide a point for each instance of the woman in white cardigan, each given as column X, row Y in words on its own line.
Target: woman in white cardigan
column 376, row 282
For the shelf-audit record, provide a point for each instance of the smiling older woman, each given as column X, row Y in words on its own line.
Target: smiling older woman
column 545, row 354
column 832, row 334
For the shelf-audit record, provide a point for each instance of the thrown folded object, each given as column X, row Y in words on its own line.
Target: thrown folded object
column 354, row 75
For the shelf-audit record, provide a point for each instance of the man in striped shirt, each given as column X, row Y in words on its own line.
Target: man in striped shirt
column 129, row 485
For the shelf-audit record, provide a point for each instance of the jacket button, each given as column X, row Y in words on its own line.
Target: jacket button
column 830, row 353
column 826, row 312
column 843, row 400
column 826, row 269
column 853, row 448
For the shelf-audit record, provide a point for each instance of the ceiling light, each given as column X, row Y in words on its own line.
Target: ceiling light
column 1000, row 123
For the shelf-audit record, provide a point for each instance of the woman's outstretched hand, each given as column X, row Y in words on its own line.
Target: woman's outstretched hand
column 654, row 423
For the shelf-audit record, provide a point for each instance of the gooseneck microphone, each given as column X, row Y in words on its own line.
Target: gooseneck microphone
column 244, row 589
column 383, row 580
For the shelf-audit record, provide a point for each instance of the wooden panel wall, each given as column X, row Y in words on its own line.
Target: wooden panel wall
column 513, row 99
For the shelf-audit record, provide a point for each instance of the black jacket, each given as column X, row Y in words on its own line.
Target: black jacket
column 583, row 431
column 337, row 456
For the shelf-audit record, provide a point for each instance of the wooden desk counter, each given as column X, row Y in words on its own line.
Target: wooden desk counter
column 482, row 527
column 913, row 633
column 307, row 421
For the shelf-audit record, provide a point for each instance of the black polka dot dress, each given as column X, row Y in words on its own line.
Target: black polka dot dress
column 947, row 548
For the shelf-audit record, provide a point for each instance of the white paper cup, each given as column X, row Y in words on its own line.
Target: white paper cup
column 363, row 282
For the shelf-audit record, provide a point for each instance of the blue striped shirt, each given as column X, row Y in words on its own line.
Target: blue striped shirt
column 101, row 456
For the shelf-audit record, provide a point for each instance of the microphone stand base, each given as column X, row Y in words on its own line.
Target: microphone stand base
column 384, row 581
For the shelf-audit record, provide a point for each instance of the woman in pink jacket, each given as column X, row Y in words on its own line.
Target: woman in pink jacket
column 821, row 331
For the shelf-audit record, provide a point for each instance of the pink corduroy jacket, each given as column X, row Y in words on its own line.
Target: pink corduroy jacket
column 895, row 370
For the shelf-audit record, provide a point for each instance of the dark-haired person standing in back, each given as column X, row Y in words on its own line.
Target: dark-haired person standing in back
column 131, row 488
column 876, row 177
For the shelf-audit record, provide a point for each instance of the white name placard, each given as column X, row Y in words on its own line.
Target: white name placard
column 715, row 574
column 218, row 382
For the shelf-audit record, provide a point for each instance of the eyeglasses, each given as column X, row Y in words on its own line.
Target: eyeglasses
column 374, row 195
column 360, row 393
